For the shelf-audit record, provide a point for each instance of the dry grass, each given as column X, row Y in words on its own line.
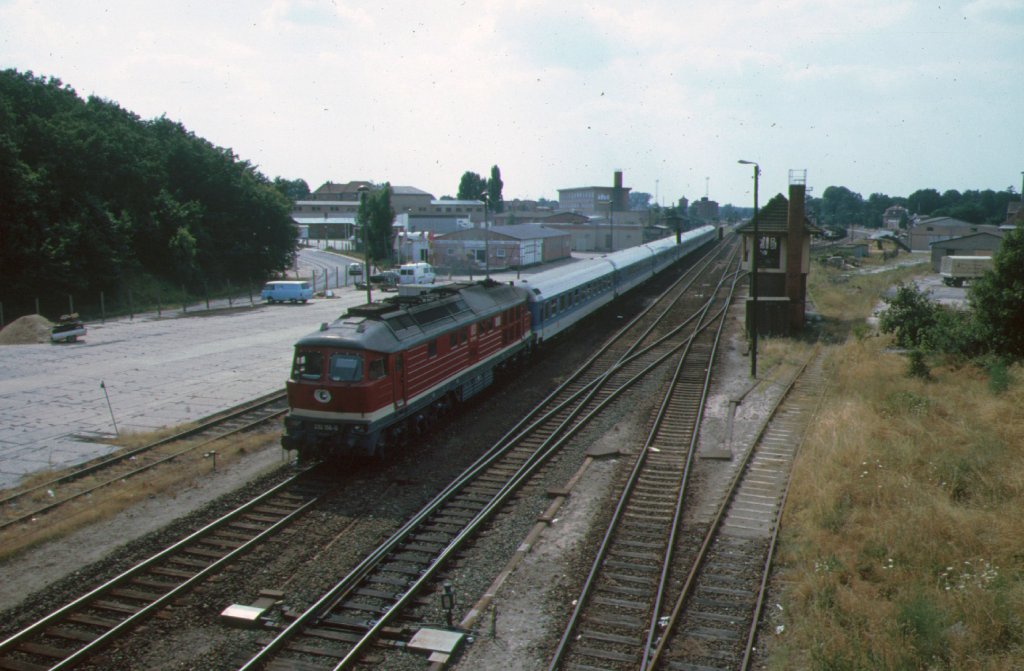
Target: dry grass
column 902, row 535
column 165, row 480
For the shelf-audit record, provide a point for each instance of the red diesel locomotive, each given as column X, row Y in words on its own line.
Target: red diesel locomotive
column 383, row 372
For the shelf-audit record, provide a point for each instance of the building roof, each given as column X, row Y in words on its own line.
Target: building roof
column 409, row 191
column 774, row 218
column 983, row 240
column 324, row 220
column 527, row 231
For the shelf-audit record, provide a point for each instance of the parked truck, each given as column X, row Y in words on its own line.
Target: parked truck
column 956, row 270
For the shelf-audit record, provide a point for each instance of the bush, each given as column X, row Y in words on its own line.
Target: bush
column 910, row 316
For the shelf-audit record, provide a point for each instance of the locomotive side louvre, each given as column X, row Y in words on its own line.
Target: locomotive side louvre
column 415, row 358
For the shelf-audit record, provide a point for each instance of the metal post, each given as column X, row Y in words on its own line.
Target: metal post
column 361, row 214
column 103, row 309
column 756, row 251
column 487, row 239
column 131, row 307
column 110, row 407
column 448, row 601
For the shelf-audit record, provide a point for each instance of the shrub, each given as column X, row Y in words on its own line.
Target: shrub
column 910, row 316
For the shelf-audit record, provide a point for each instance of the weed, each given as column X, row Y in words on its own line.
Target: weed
column 922, row 623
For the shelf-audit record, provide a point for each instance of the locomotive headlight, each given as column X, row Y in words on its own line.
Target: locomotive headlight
column 358, row 428
column 322, row 395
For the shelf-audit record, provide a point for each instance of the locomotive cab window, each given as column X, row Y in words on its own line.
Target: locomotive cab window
column 378, row 369
column 307, row 366
column 346, row 368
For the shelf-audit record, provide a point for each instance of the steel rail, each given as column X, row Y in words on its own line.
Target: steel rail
column 59, row 615
column 596, row 566
column 350, row 582
column 652, row 659
column 772, row 546
column 133, row 453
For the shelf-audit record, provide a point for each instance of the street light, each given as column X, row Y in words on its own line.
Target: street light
column 487, row 239
column 753, row 275
column 362, row 215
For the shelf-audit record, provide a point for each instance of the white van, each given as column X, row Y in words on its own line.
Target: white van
column 416, row 273
column 280, row 291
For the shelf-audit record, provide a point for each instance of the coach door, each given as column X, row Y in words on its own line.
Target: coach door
column 398, row 387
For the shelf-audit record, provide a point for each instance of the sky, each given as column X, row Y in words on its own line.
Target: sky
column 879, row 96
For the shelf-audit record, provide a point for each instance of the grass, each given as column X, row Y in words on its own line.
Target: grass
column 901, row 541
column 168, row 479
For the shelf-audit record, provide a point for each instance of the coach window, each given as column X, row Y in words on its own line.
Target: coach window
column 453, row 340
column 346, row 367
column 378, row 369
column 308, row 366
column 432, row 349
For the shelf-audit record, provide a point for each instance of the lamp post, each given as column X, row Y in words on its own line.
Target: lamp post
column 487, row 239
column 362, row 214
column 756, row 251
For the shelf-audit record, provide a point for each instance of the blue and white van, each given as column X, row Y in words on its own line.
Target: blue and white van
column 292, row 291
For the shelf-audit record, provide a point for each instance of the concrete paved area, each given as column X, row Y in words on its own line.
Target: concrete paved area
column 158, row 372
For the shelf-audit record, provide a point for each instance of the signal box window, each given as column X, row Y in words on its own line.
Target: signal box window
column 346, row 368
column 308, row 366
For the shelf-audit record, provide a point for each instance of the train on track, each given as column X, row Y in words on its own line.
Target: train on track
column 384, row 372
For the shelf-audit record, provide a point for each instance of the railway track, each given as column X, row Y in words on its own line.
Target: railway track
column 668, row 588
column 26, row 505
column 83, row 627
column 361, row 610
column 714, row 619
column 628, row 577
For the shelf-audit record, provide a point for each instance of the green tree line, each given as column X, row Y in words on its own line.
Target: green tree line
column 95, row 198
column 839, row 207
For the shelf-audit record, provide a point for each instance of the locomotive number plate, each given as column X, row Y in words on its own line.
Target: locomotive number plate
column 325, row 427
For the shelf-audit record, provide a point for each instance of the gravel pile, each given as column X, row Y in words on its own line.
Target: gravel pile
column 27, row 330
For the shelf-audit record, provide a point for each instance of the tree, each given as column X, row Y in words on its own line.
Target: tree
column 841, row 207
column 910, row 316
column 376, row 218
column 639, row 200
column 292, row 189
column 924, row 201
column 471, row 186
column 875, row 207
column 92, row 194
column 494, row 185
column 998, row 298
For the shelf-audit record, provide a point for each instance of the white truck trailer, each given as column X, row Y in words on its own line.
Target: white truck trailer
column 956, row 270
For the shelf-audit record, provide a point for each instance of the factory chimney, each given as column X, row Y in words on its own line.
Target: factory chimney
column 617, row 191
column 796, row 280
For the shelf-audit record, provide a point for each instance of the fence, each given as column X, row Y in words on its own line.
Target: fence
column 124, row 302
